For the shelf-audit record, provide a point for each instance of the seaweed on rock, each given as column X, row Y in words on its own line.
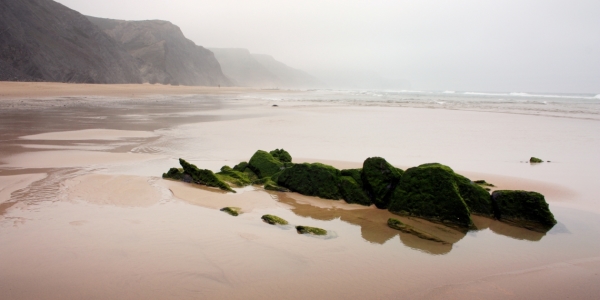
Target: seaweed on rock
column 430, row 192
column 310, row 230
column 352, row 192
column 535, row 160
column 525, row 209
column 173, row 173
column 234, row 177
column 271, row 219
column 281, row 155
column 312, row 180
column 263, row 164
column 379, row 180
column 203, row 176
column 234, row 211
column 477, row 198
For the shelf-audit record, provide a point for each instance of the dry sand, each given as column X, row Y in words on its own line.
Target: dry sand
column 103, row 225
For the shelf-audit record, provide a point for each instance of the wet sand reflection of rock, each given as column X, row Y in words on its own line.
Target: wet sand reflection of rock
column 373, row 224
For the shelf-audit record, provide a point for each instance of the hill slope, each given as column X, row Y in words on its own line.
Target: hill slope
column 163, row 53
column 41, row 40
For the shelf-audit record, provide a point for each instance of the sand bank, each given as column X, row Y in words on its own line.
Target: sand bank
column 9, row 184
column 121, row 190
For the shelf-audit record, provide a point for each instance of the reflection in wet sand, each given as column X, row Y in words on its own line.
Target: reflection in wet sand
column 373, row 222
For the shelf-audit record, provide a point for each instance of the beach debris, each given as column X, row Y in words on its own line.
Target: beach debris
column 234, row 211
column 311, row 230
column 398, row 225
column 524, row 209
column 273, row 220
column 535, row 160
column 380, row 180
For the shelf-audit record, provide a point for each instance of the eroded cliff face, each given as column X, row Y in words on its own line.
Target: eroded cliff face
column 41, row 40
column 163, row 54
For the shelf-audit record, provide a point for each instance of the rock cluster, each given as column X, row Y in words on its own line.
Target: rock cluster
column 430, row 191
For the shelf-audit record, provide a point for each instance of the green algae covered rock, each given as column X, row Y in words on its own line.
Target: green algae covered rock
column 312, row 180
column 356, row 174
column 477, row 198
column 310, row 230
column 281, row 155
column 271, row 219
column 202, row 176
column 430, row 192
column 525, row 209
column 240, row 167
column 535, row 160
column 483, row 183
column 396, row 224
column 234, row 177
column 264, row 164
column 379, row 180
column 270, row 185
column 234, row 211
column 352, row 191
column 173, row 173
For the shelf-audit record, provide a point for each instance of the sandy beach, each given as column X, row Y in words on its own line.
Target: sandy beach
column 84, row 212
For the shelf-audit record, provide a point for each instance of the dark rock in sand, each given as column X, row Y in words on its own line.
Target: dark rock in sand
column 312, row 180
column 379, row 180
column 263, row 164
column 477, row 198
column 535, row 160
column 271, row 219
column 234, row 211
column 310, row 230
column 431, row 192
column 281, row 155
column 352, row 191
column 204, row 177
column 174, row 173
column 524, row 209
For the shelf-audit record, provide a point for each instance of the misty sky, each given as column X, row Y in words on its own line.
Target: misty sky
column 511, row 46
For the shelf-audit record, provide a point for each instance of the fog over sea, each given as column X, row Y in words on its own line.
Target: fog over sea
column 580, row 106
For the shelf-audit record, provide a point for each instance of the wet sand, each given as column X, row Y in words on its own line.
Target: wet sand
column 86, row 214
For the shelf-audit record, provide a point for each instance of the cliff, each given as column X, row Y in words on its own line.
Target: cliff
column 41, row 40
column 163, row 53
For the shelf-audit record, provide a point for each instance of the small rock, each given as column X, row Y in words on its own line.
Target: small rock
column 310, row 230
column 271, row 219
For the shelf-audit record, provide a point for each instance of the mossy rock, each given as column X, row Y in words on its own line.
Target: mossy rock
column 476, row 197
column 241, row 166
column 312, row 180
column 398, row 225
column 430, row 192
column 173, row 173
column 281, row 155
column 205, row 177
column 234, row 177
column 264, row 164
column 234, row 211
column 272, row 186
column 483, row 183
column 524, row 209
column 379, row 180
column 311, row 230
column 352, row 192
column 356, row 174
column 273, row 220
column 535, row 160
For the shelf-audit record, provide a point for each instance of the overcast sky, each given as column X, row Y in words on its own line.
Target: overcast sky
column 478, row 45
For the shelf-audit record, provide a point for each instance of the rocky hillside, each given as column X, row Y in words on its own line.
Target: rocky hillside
column 163, row 53
column 258, row 70
column 41, row 40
